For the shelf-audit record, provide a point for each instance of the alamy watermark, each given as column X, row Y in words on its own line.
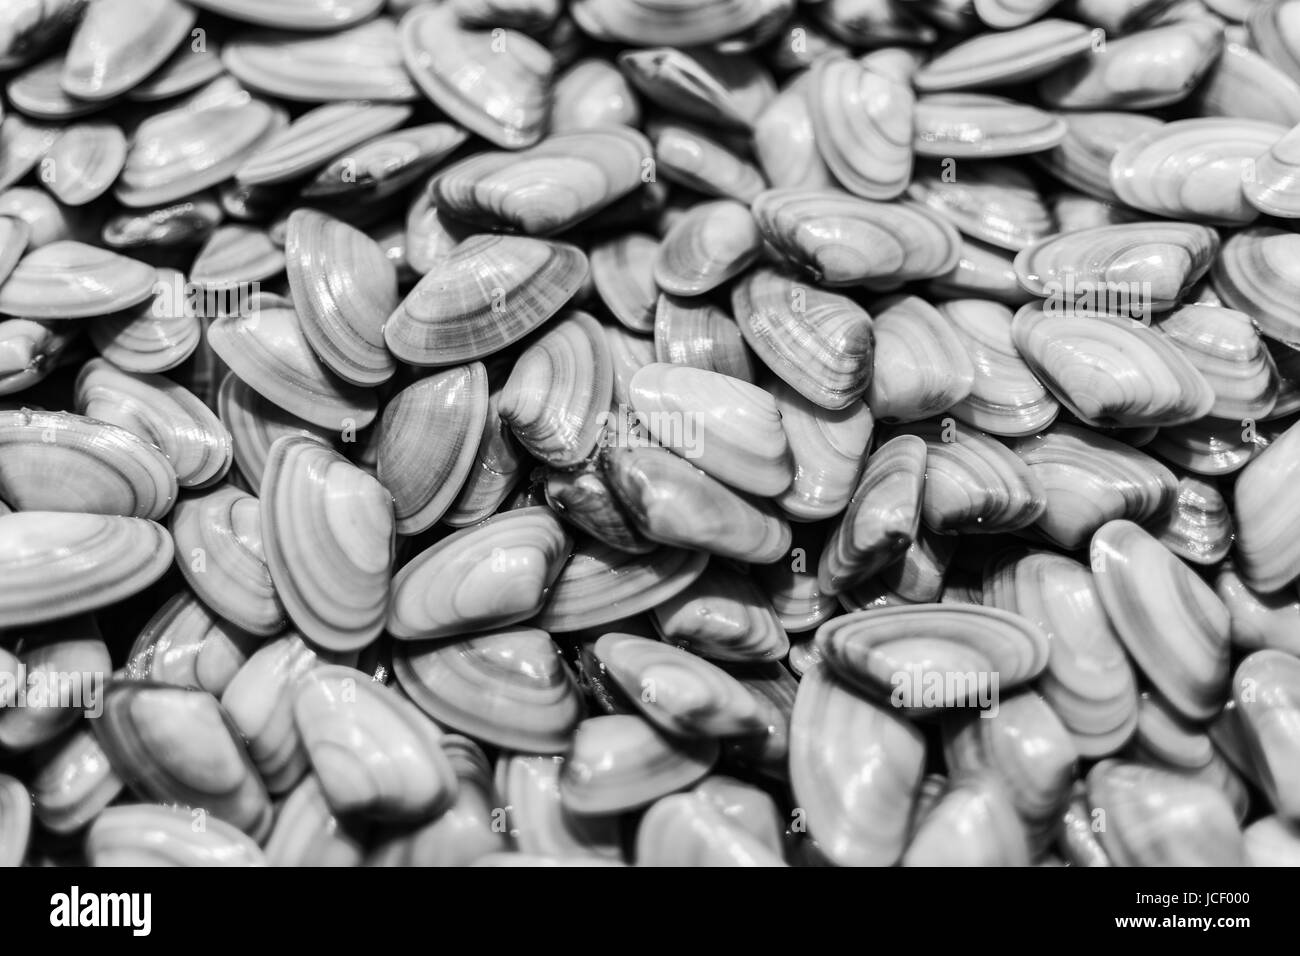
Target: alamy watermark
column 178, row 297
column 75, row 690
column 916, row 689
column 625, row 427
column 1071, row 296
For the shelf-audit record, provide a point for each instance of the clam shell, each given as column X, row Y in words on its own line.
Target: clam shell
column 375, row 754
column 505, row 96
column 1209, row 446
column 120, row 42
column 1259, row 621
column 1272, row 841
column 255, row 423
column 993, row 202
column 622, row 269
column 180, row 223
column 313, row 138
column 1254, row 274
column 1224, row 346
column 686, row 156
column 508, row 688
column 38, row 92
column 327, row 529
column 773, row 689
column 855, row 768
column 152, row 338
column 922, row 366
column 307, row 833
column 600, row 585
column 977, row 125
column 186, row 645
column 72, row 280
column 61, row 667
column 829, row 449
column 1090, row 479
column 540, row 824
column 701, row 335
column 486, row 294
column 981, row 272
column 820, row 343
column 58, row 461
column 1082, row 160
column 492, row 476
column 32, row 25
column 526, row 547
column 709, row 245
column 1268, row 548
column 1169, row 619
column 683, row 830
column 383, row 166
column 295, row 14
column 344, row 288
column 974, row 823
column 583, row 498
column 862, row 122
column 177, row 745
column 1231, row 88
column 1266, row 688
column 236, row 257
column 1005, row 57
column 1075, row 211
column 1140, row 71
column 1199, row 526
column 841, row 240
column 14, row 236
column 593, row 93
column 1274, row 186
column 681, row 22
column 619, row 762
column 22, row 145
column 190, row 66
column 872, row 22
column 785, row 141
column 1088, row 680
column 918, row 576
column 1272, row 30
column 630, row 353
column 145, row 834
column 700, row 83
column 75, row 784
column 83, row 162
column 218, row 536
column 724, row 616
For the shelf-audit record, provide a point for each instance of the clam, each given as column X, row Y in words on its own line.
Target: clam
column 71, row 280
column 1153, row 817
column 1075, row 211
column 1267, row 547
column 489, row 292
column 681, row 22
column 622, row 269
column 58, row 461
column 922, row 366
column 992, row 201
column 723, row 615
column 56, row 674
column 428, row 443
column 685, row 155
column 496, row 573
column 1259, row 621
column 882, row 518
column 558, row 390
column 307, row 833
column 584, row 499
column 982, row 271
column 83, row 162
column 1082, row 160
column 493, row 474
column 147, row 834
column 179, row 223
column 1271, row 29
column 218, row 537
column 151, row 338
column 186, row 645
column 1273, row 841
column 1089, row 479
column 1286, row 362
column 862, row 123
column 327, row 530
column 593, row 93
column 38, row 92
column 255, row 423
column 1170, row 620
column 1253, row 274
column 1142, row 70
column 918, row 576
column 683, row 830
column 237, row 257
column 318, row 135
column 190, row 66
column 785, row 141
column 375, row 754
column 75, row 783
column 177, row 745
column 855, row 769
column 619, row 762
column 1231, row 88
column 508, row 687
column 120, row 42
column 872, row 22
column 1274, row 186
column 33, row 25
column 495, row 85
column 700, row 83
column 1198, row 528
column 710, row 244
column 829, row 449
column 1209, row 446
column 540, row 824
column 630, row 353
column 1223, row 344
column 842, row 240
column 819, row 342
column 269, row 351
column 773, row 689
column 1005, row 57
column 974, row 823
column 980, row 126
column 697, row 333
column 1088, row 680
column 386, row 164
column 312, row 15
column 22, row 145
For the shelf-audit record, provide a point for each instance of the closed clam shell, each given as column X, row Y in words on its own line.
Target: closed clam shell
column 75, row 783
column 1193, row 169
column 56, row 675
column 1231, row 88
column 1111, row 371
column 1090, row 479
column 218, row 536
column 730, row 428
column 147, row 834
column 190, row 66
column 490, row 575
column 829, row 449
column 1092, row 137
column 1266, row 687
column 255, row 423
column 1005, row 57
column 318, row 135
column 701, row 83
column 151, row 338
column 159, row 411
column 1170, row 620
column 1006, row 398
column 1253, row 274
column 1088, row 680
column 58, row 564
column 600, row 585
column 1142, row 70
column 1209, row 446
column 177, row 745
column 724, row 616
column 58, row 461
column 307, row 833
column 235, row 256
column 682, row 694
column 842, row 240
column 361, row 62
column 977, row 125
column 1274, row 186
column 855, row 768
column 785, row 141
column 1259, row 621
column 30, row 351
column 686, row 156
column 1198, row 528
column 327, row 529
column 374, row 752
column 881, row 519
column 922, row 366
column 508, row 687
column 1268, row 547
column 684, row 830
column 1075, row 211
column 492, row 476
column 294, row 14
column 622, row 268
column 548, row 188
column 993, row 202
column 1272, row 29
column 630, row 353
column 1225, row 347
column 774, row 688
column 902, row 654
column 502, row 96
column 593, row 92
column 71, row 280
column 681, row 22
column 559, row 388
column 862, row 122
column 38, row 92
column 1155, row 817
column 710, row 244
column 620, row 762
column 179, row 223
column 22, row 145
column 540, row 824
column 184, row 644
column 384, row 165
column 973, row 823
column 818, row 342
column 428, row 443
column 489, row 292
column 180, row 151
column 269, row 351
column 84, row 161
column 584, row 499
column 699, row 334
column 120, row 42
column 982, row 271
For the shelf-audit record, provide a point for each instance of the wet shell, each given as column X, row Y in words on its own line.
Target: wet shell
column 1254, row 274
column 1167, row 617
column 973, row 823
column 1266, row 688
column 539, row 821
column 327, row 529
column 1005, row 57
column 152, row 338
column 593, row 93
column 684, row 830
column 1224, row 346
column 1082, row 160
column 583, row 498
column 236, row 256
column 186, row 645
column 724, row 616
column 785, row 141
column 83, row 162
column 120, row 42
column 1259, row 620
column 697, row 333
column 710, row 244
column 979, row 126
column 75, row 784
column 922, row 366
column 700, row 83
column 295, row 14
column 992, row 201
column 496, row 467
column 147, row 834
column 622, row 269
column 828, row 448
column 255, row 423
column 71, row 280
column 686, row 156
column 488, row 293
column 1268, row 547
column 383, row 166
column 862, row 122
column 681, row 22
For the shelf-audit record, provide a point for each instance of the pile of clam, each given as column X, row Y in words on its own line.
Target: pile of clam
column 656, row 432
